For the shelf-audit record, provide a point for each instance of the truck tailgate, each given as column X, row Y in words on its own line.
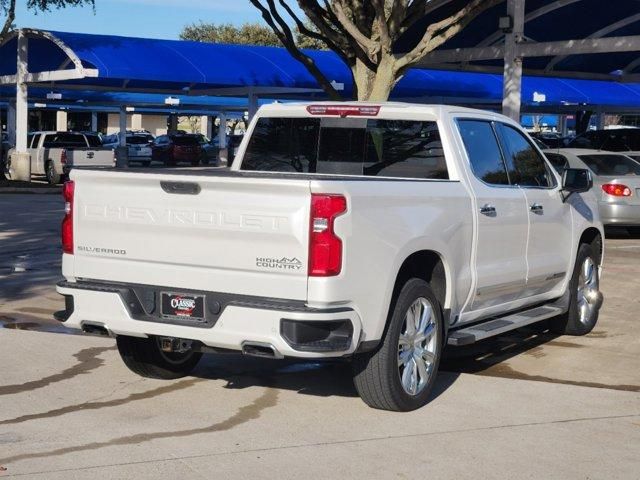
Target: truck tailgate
column 80, row 157
column 226, row 233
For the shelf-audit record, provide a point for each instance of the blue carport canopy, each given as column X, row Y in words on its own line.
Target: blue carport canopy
column 129, row 70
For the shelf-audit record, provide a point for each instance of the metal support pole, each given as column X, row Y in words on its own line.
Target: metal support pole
column 21, row 161
column 223, row 153
column 62, row 121
column 122, row 152
column 253, row 106
column 512, row 79
column 94, row 121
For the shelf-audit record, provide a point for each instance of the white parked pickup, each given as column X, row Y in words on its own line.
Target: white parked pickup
column 377, row 233
column 54, row 154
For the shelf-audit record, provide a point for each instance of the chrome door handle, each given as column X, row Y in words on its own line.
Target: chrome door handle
column 536, row 208
column 487, row 209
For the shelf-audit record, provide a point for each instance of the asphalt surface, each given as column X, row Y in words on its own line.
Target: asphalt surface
column 524, row 405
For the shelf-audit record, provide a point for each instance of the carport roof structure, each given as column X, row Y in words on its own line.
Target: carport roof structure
column 129, row 71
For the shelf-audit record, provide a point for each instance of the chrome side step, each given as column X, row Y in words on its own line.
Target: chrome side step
column 491, row 328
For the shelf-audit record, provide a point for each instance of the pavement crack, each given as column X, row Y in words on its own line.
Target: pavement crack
column 88, row 360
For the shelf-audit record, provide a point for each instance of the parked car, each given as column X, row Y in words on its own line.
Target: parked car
column 616, row 178
column 54, row 154
column 139, row 145
column 209, row 149
column 551, row 139
column 375, row 233
column 625, row 140
column 172, row 149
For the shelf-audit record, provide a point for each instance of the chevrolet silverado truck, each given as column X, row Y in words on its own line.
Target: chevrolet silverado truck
column 54, row 154
column 375, row 233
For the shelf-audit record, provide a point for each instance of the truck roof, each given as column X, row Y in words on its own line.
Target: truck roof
column 385, row 107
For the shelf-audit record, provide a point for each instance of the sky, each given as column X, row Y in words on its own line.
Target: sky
column 138, row 18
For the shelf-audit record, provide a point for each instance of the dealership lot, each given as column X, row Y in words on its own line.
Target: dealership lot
column 518, row 406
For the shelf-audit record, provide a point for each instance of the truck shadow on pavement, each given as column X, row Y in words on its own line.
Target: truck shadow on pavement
column 319, row 378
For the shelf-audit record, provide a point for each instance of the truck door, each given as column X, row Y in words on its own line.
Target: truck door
column 550, row 225
column 501, row 213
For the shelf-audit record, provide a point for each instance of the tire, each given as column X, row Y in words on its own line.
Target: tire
column 195, row 163
column 144, row 357
column 53, row 177
column 584, row 308
column 146, row 163
column 378, row 375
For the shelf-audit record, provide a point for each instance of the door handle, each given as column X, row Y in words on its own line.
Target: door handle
column 487, row 209
column 536, row 208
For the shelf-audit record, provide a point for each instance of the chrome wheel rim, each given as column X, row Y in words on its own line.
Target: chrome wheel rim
column 588, row 290
column 417, row 346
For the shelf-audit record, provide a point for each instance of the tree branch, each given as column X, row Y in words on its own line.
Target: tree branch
column 383, row 27
column 8, row 23
column 439, row 32
column 282, row 30
column 369, row 46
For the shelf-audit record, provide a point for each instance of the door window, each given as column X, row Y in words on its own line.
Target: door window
column 483, row 151
column 559, row 162
column 526, row 166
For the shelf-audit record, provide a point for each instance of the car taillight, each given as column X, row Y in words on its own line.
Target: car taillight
column 63, row 157
column 325, row 247
column 67, row 221
column 345, row 110
column 616, row 189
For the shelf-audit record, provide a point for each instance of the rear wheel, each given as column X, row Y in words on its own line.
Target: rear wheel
column 145, row 357
column 399, row 376
column 53, row 177
column 585, row 297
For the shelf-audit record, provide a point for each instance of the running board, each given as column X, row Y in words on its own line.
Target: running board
column 491, row 328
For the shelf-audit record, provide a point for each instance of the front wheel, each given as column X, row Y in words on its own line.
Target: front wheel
column 399, row 376
column 145, row 357
column 585, row 298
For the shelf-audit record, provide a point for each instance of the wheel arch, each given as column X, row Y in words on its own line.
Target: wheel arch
column 592, row 236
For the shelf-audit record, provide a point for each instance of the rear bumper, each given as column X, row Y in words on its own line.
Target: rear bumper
column 619, row 214
column 291, row 328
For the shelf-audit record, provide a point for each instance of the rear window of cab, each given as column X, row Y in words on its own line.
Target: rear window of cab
column 347, row 146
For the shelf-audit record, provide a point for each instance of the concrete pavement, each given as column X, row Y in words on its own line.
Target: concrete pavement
column 524, row 405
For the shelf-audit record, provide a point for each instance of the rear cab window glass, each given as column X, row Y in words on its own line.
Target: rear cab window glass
column 483, row 151
column 611, row 165
column 526, row 167
column 347, row 146
column 94, row 141
column 65, row 140
column 186, row 140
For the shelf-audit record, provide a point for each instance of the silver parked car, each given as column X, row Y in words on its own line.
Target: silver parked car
column 616, row 179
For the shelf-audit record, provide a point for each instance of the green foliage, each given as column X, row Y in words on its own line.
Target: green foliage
column 245, row 34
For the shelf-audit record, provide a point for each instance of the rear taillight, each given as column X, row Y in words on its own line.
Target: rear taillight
column 63, row 157
column 325, row 247
column 616, row 189
column 67, row 221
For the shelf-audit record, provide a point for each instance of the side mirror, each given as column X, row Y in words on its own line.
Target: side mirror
column 576, row 180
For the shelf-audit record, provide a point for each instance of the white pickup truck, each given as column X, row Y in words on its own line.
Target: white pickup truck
column 377, row 233
column 54, row 154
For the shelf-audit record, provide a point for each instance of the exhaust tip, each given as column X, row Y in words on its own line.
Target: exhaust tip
column 260, row 349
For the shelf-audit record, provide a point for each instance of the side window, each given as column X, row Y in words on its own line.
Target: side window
column 484, row 153
column 36, row 140
column 559, row 162
column 526, row 166
column 405, row 149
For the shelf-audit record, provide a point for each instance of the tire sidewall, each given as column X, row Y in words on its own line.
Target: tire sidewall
column 412, row 290
column 574, row 325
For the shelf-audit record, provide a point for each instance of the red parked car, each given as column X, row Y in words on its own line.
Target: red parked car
column 171, row 149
